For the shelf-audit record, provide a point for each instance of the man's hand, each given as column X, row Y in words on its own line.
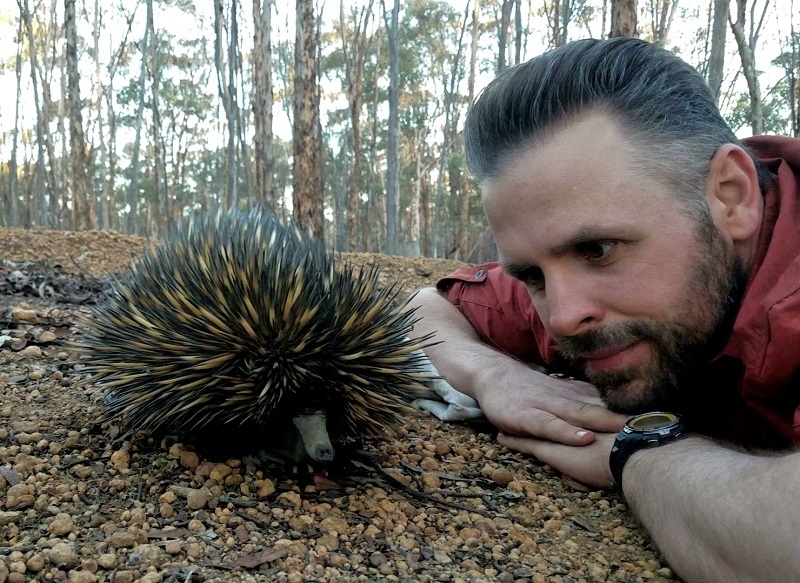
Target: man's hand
column 526, row 403
column 514, row 397
column 587, row 464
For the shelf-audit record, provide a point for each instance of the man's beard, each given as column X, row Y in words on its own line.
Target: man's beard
column 681, row 346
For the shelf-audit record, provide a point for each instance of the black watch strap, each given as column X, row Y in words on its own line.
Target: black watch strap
column 642, row 432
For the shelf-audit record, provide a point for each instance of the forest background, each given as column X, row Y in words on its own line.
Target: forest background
column 347, row 115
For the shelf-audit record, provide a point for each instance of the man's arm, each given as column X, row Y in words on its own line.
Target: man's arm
column 514, row 397
column 718, row 514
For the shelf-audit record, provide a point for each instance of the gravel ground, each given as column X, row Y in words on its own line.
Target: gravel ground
column 434, row 502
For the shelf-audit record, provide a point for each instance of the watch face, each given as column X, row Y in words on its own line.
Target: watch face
column 650, row 421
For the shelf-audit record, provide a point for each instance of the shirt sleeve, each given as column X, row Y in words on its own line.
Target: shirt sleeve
column 500, row 310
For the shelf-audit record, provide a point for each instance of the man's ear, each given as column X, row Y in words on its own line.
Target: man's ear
column 733, row 193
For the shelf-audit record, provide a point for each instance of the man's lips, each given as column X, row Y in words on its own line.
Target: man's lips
column 612, row 358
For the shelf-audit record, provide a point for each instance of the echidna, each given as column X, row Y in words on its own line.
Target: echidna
column 241, row 324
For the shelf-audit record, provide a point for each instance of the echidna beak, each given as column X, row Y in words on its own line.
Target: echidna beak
column 314, row 433
column 324, row 453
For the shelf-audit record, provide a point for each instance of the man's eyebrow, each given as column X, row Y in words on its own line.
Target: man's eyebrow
column 517, row 270
column 585, row 234
column 590, row 233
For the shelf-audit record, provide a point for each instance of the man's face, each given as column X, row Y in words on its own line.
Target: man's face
column 634, row 291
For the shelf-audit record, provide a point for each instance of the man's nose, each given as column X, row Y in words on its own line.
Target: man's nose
column 571, row 306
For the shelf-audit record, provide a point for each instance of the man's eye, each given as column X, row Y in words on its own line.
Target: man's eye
column 596, row 250
column 532, row 277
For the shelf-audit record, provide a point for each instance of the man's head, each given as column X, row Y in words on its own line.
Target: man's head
column 632, row 226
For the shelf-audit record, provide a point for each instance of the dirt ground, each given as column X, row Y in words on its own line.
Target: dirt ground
column 437, row 502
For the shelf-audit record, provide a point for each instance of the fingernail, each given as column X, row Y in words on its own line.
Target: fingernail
column 581, row 433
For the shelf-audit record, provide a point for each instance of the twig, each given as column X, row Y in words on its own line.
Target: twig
column 23, row 549
column 255, row 520
column 239, row 502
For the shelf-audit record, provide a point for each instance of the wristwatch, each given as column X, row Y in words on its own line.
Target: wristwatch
column 641, row 432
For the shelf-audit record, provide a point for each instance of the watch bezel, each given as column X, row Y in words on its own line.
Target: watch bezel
column 674, row 420
column 632, row 439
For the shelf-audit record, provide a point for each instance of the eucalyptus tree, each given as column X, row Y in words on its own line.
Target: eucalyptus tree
column 716, row 60
column 262, row 100
column 83, row 216
column 623, row 18
column 307, row 151
column 392, row 23
column 746, row 42
column 132, row 198
column 43, row 137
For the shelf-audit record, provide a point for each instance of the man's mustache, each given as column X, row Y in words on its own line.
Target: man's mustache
column 605, row 338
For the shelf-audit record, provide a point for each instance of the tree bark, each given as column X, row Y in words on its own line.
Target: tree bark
column 13, row 204
column 225, row 93
column 502, row 33
column 82, row 190
column 393, row 146
column 463, row 235
column 623, row 18
column 160, row 187
column 101, row 202
column 354, row 56
column 307, row 144
column 40, row 130
column 373, row 154
column 716, row 61
column 747, row 54
column 132, row 222
column 262, row 104
column 517, row 31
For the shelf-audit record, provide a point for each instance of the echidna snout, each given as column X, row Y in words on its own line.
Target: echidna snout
column 314, row 434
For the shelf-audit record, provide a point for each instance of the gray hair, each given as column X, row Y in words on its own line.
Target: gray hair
column 659, row 100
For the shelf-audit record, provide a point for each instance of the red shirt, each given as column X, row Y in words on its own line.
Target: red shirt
column 752, row 390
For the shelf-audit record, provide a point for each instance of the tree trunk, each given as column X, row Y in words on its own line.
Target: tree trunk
column 463, row 238
column 450, row 125
column 262, row 103
column 236, row 72
column 13, row 203
column 556, row 19
column 747, row 54
column 502, row 33
column 716, row 61
column 517, row 31
column 40, row 130
column 566, row 18
column 373, row 154
column 354, row 56
column 60, row 214
column 49, row 211
column 623, row 18
column 101, row 202
column 160, row 190
column 393, row 146
column 132, row 223
column 225, row 94
column 307, row 143
column 82, row 190
column 666, row 14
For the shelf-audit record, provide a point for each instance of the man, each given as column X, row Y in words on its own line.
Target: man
column 647, row 251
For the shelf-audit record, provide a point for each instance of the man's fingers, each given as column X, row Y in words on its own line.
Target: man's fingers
column 545, row 425
column 594, row 417
column 586, row 464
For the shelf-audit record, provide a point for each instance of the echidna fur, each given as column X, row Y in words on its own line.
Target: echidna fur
column 239, row 322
